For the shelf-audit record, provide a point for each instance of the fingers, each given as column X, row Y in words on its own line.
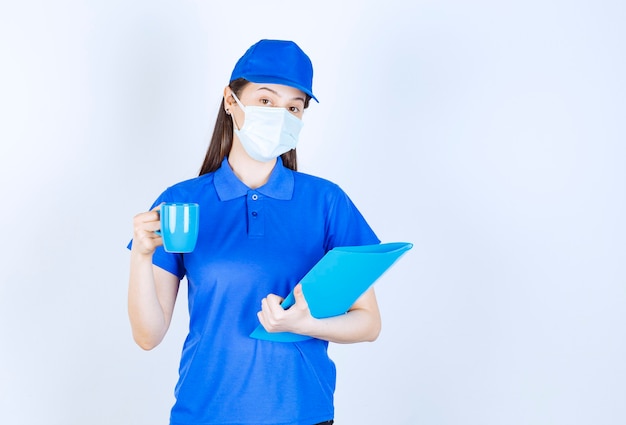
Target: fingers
column 273, row 302
column 272, row 315
column 150, row 220
column 146, row 222
column 275, row 318
column 145, row 240
column 272, row 309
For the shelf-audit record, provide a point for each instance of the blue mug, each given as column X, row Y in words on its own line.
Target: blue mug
column 179, row 226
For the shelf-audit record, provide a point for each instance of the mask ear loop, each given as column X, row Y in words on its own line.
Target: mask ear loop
column 237, row 100
column 243, row 108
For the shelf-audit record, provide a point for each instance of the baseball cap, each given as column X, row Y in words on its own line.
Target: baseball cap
column 276, row 62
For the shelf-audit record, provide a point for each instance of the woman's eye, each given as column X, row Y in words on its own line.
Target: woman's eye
column 265, row 101
column 294, row 109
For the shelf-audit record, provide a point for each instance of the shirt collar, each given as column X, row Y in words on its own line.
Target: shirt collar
column 278, row 186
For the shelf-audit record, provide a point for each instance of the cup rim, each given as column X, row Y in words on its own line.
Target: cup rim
column 181, row 204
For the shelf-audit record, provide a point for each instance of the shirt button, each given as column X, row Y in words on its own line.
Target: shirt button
column 255, row 197
column 254, row 214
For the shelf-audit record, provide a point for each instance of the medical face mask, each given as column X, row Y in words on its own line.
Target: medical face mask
column 267, row 132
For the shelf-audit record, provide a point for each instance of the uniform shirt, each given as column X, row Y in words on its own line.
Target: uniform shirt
column 253, row 242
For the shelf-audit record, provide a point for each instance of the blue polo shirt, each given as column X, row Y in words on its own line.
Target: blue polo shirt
column 253, row 242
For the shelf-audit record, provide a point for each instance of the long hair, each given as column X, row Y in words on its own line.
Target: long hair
column 222, row 139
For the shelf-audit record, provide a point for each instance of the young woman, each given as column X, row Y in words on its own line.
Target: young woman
column 263, row 225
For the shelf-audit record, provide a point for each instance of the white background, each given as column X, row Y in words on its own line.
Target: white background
column 488, row 133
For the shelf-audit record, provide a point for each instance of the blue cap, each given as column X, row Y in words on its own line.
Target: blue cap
column 276, row 62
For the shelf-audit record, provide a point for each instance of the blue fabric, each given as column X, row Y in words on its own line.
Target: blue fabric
column 252, row 243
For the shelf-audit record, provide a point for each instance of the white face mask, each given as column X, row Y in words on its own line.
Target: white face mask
column 268, row 132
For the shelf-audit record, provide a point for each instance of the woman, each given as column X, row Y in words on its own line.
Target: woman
column 263, row 225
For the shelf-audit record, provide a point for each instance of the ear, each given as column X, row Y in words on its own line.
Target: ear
column 229, row 101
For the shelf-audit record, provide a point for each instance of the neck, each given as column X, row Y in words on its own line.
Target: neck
column 252, row 173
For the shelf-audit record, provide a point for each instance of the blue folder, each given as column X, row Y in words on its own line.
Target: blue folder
column 333, row 285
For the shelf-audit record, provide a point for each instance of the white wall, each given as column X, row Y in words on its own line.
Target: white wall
column 490, row 134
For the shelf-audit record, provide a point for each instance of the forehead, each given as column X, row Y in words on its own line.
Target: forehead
column 279, row 90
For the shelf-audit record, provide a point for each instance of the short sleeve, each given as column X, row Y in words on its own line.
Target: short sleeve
column 346, row 226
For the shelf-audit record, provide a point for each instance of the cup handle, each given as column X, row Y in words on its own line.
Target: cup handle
column 158, row 211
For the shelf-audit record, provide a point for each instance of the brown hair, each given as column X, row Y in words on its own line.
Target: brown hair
column 222, row 139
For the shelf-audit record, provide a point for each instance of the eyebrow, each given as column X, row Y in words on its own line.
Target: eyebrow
column 276, row 93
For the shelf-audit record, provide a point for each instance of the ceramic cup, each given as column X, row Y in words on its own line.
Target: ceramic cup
column 179, row 226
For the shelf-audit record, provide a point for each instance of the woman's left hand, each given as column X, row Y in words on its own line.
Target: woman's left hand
column 360, row 323
column 296, row 319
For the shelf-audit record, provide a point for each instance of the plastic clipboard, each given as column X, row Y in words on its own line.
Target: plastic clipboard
column 333, row 285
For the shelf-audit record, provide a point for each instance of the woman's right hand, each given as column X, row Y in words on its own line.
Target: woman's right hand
column 145, row 240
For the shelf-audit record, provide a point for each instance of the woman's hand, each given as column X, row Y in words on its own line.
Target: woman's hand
column 145, row 241
column 361, row 322
column 296, row 319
